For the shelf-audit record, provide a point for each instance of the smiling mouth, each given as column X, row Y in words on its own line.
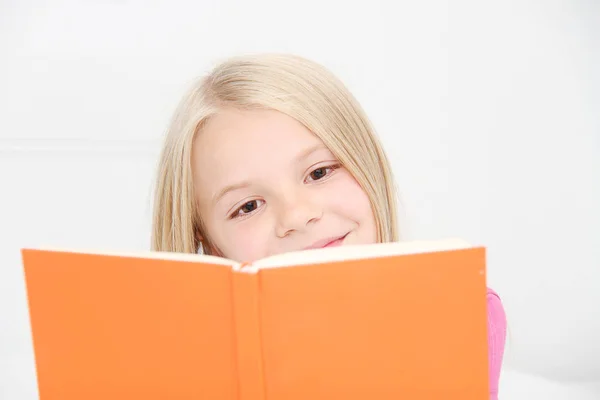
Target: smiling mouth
column 328, row 242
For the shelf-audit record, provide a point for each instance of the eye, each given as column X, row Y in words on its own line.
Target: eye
column 247, row 208
column 321, row 172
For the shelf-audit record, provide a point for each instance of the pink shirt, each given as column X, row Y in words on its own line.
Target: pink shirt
column 496, row 339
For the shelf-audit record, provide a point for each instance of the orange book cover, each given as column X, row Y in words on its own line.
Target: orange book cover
column 385, row 321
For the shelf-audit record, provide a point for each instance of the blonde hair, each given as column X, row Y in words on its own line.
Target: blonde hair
column 295, row 86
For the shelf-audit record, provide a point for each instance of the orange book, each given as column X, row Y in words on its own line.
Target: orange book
column 384, row 321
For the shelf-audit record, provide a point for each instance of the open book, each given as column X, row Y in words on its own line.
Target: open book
column 384, row 321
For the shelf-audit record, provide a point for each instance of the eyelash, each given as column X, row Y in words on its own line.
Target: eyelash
column 238, row 214
column 332, row 168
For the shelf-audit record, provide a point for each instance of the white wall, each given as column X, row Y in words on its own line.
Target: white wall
column 489, row 113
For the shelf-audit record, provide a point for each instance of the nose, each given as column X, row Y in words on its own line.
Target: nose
column 296, row 214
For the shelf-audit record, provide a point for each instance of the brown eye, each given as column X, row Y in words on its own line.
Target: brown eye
column 318, row 173
column 321, row 172
column 247, row 208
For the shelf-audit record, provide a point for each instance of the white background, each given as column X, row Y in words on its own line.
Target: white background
column 489, row 111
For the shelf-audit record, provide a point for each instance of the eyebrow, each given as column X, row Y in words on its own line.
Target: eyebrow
column 245, row 184
column 310, row 150
column 230, row 188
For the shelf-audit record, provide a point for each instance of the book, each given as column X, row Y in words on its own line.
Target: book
column 402, row 320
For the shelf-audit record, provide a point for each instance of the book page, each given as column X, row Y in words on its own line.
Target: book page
column 154, row 255
column 356, row 252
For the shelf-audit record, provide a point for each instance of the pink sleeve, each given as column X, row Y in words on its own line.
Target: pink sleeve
column 496, row 339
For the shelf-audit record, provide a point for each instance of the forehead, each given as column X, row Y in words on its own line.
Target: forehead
column 254, row 124
column 234, row 144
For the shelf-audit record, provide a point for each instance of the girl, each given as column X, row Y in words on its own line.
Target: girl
column 270, row 154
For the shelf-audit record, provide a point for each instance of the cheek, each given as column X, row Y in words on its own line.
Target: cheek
column 350, row 202
column 348, row 197
column 244, row 241
column 238, row 241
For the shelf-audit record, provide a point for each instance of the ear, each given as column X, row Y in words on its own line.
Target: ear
column 202, row 247
column 207, row 246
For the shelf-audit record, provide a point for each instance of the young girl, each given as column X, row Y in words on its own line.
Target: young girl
column 270, row 154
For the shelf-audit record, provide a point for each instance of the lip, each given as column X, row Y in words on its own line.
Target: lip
column 327, row 242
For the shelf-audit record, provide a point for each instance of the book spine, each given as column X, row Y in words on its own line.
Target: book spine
column 246, row 314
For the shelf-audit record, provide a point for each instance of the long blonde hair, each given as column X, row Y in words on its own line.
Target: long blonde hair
column 295, row 86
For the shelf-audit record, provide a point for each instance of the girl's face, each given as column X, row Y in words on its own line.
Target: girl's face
column 266, row 185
